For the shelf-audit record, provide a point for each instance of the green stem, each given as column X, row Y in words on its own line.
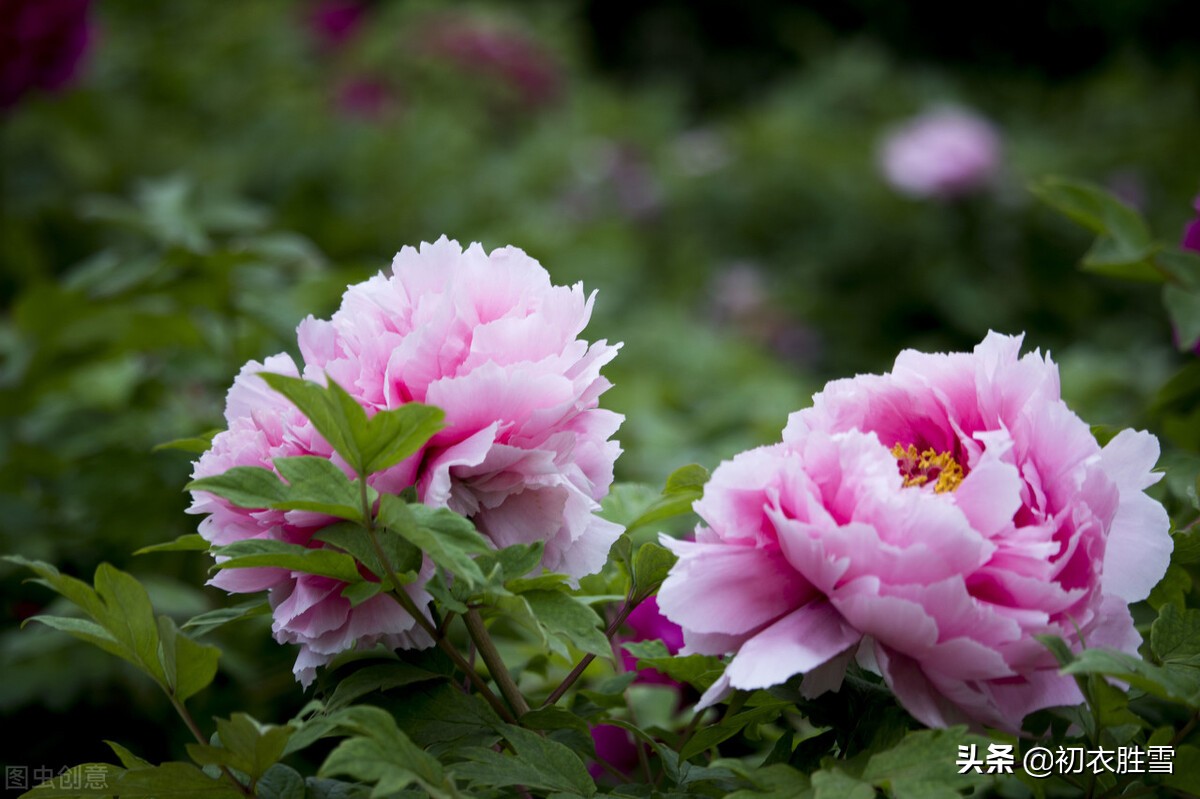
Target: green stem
column 410, row 606
column 587, row 659
column 495, row 664
column 186, row 715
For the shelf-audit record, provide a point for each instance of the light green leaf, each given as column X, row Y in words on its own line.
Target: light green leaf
column 833, row 783
column 293, row 557
column 651, row 563
column 684, row 486
column 335, row 419
column 394, row 435
column 317, row 484
column 244, row 486
column 86, row 630
column 699, row 671
column 128, row 759
column 192, row 542
column 129, row 616
column 189, row 667
column 196, row 444
column 922, row 764
column 358, row 593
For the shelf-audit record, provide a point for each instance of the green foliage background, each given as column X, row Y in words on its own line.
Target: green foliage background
column 201, row 190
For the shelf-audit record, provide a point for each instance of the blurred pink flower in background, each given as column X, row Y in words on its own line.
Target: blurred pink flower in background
column 942, row 153
column 525, row 452
column 615, row 746
column 930, row 521
column 365, row 98
column 42, row 44
column 500, row 53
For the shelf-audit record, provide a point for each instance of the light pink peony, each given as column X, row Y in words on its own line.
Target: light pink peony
column 525, row 452
column 929, row 521
column 943, row 153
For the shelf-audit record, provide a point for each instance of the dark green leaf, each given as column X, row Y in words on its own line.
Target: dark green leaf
column 381, row 677
column 382, row 754
column 651, row 563
column 728, row 727
column 926, row 758
column 442, row 717
column 403, row 557
column 280, row 782
column 1181, row 686
column 97, row 779
column 563, row 726
column 256, row 552
column 562, row 615
column 1183, row 309
column 245, row 746
column 207, row 622
column 192, row 542
column 539, row 763
column 197, row 444
column 447, row 538
column 128, row 759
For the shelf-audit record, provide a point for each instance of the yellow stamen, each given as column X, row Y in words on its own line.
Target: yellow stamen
column 917, row 468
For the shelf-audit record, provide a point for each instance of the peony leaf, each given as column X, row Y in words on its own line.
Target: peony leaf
column 189, row 667
column 196, row 444
column 560, row 614
column 317, row 484
column 383, row 755
column 1183, row 308
column 684, row 486
column 699, row 671
column 207, row 622
column 258, row 552
column 403, row 558
column 651, row 563
column 281, row 782
column 245, row 745
column 728, row 727
column 540, row 763
column 447, row 538
column 381, row 677
column 192, row 542
column 393, row 435
column 334, row 418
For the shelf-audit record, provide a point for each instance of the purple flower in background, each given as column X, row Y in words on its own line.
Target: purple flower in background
column 1191, row 233
column 42, row 43
column 364, row 98
column 335, row 22
column 615, row 746
column 942, row 153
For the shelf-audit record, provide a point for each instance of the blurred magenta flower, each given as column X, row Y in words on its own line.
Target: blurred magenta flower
column 525, row 452
column 365, row 98
column 930, row 521
column 943, row 153
column 335, row 22
column 615, row 746
column 512, row 57
column 1191, row 233
column 42, row 44
column 646, row 623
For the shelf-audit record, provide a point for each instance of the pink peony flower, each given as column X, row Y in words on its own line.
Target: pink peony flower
column 42, row 43
column 616, row 747
column 335, row 23
column 942, row 153
column 525, row 452
column 931, row 521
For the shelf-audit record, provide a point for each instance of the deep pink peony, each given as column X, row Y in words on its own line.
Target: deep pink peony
column 646, row 623
column 42, row 44
column 525, row 452
column 1191, row 232
column 942, row 153
column 930, row 521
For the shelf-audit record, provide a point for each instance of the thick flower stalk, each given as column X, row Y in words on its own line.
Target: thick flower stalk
column 929, row 522
column 525, row 452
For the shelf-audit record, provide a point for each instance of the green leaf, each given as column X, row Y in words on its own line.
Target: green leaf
column 1177, row 685
column 192, row 542
column 128, row 759
column 281, row 782
column 684, row 486
column 335, row 419
column 293, row 557
column 403, row 557
column 211, row 620
column 1172, row 589
column 728, row 727
column 540, row 763
column 776, row 781
column 651, row 563
column 358, row 593
column 197, row 444
column 313, row 484
column 833, row 783
column 393, row 435
column 382, row 754
column 381, row 677
column 246, row 746
column 561, row 614
column 563, row 726
column 442, row 717
column 1175, row 642
column 923, row 764
column 189, row 667
column 129, row 616
column 699, row 671
column 1093, row 207
column 166, row 781
column 85, row 630
column 73, row 589
column 87, row 779
column 1185, row 772
column 1183, row 265
column 447, row 538
column 1183, row 309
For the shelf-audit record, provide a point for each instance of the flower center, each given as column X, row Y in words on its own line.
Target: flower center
column 928, row 467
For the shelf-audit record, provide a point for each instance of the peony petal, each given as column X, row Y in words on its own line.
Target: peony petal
column 1139, row 544
column 799, row 642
